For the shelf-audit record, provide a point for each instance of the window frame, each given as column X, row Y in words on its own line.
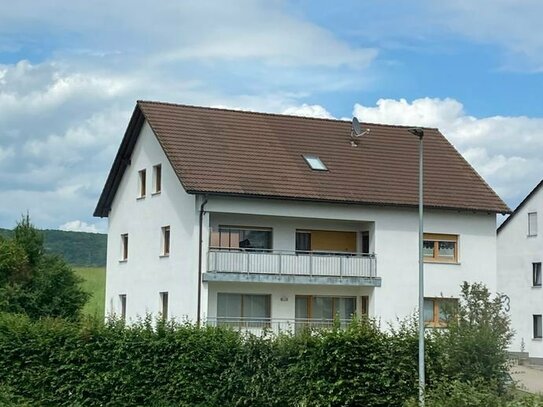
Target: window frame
column 436, row 321
column 242, row 320
column 142, row 183
column 309, row 303
column 537, row 277
column 216, row 234
column 532, row 226
column 314, row 162
column 164, row 304
column 438, row 238
column 166, row 236
column 122, row 301
column 124, row 247
column 537, row 325
column 157, row 179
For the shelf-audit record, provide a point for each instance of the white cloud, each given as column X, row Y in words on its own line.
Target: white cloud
column 308, row 111
column 79, row 226
column 506, row 151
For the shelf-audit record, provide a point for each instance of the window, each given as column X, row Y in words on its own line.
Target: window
column 536, row 270
column 251, row 310
column 309, row 307
column 303, row 241
column 165, row 241
column 532, row 224
column 124, row 247
column 538, row 329
column 142, row 183
column 440, row 248
column 365, row 305
column 438, row 310
column 164, row 305
column 242, row 238
column 122, row 300
column 315, row 163
column 157, row 179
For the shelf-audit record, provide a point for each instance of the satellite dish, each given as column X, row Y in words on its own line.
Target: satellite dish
column 357, row 129
column 357, row 132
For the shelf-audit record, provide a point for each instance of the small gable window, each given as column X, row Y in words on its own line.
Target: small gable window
column 315, row 163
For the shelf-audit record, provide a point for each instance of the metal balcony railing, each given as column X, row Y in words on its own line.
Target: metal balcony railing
column 258, row 326
column 291, row 263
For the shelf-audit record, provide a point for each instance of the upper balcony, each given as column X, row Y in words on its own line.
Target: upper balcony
column 291, row 267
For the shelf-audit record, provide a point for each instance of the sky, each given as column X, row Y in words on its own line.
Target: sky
column 71, row 72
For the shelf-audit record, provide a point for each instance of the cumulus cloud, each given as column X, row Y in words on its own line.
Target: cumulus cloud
column 308, row 111
column 506, row 151
column 79, row 226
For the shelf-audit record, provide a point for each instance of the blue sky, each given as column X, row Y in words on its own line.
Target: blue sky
column 70, row 73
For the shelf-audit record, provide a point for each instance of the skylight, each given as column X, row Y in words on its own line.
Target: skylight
column 315, row 163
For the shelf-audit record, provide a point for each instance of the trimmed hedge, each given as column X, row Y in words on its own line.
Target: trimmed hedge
column 58, row 363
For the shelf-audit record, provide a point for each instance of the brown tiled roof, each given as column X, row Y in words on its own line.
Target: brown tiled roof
column 220, row 151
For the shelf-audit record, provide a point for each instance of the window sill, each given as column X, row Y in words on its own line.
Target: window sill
column 454, row 263
column 123, row 261
column 536, row 286
column 531, row 235
column 537, row 339
column 156, row 193
column 164, row 255
column 139, row 198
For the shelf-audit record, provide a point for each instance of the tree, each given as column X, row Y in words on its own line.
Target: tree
column 476, row 340
column 35, row 283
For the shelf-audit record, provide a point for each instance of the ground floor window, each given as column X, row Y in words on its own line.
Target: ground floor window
column 324, row 308
column 538, row 327
column 252, row 310
column 438, row 310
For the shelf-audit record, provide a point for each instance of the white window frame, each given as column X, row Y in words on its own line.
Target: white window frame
column 164, row 304
column 122, row 306
column 124, row 247
column 166, row 241
column 532, row 223
column 142, row 183
column 537, row 321
column 157, row 179
column 537, row 277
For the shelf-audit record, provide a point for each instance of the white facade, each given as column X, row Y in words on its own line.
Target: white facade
column 393, row 237
column 520, row 246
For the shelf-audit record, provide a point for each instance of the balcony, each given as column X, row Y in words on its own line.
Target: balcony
column 291, row 267
column 259, row 326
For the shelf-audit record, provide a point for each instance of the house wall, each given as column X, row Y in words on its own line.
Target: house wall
column 516, row 253
column 145, row 274
column 394, row 240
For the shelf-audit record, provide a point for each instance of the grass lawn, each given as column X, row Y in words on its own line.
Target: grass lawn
column 94, row 282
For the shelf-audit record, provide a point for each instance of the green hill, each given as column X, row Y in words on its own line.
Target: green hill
column 77, row 248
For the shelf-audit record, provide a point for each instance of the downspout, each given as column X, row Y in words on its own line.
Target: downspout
column 200, row 257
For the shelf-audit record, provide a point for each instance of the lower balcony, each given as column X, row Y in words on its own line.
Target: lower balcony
column 259, row 326
column 292, row 267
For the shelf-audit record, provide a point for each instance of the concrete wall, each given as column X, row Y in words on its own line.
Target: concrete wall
column 146, row 273
column 516, row 253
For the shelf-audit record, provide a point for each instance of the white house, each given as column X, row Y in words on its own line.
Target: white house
column 520, row 254
column 257, row 219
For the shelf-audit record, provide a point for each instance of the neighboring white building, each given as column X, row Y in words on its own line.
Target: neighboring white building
column 520, row 255
column 259, row 220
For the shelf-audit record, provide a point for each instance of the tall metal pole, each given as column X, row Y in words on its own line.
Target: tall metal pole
column 421, row 275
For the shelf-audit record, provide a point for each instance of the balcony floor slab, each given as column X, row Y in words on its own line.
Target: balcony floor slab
column 291, row 279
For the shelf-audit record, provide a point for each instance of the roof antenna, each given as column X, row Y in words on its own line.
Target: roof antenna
column 357, row 132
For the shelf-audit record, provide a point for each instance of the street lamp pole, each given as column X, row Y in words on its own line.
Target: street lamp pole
column 420, row 134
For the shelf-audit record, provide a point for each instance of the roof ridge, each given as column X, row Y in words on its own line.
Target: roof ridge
column 254, row 112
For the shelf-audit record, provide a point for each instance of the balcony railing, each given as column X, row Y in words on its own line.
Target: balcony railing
column 291, row 263
column 258, row 326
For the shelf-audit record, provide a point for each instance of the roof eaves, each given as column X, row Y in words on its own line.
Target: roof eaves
column 519, row 207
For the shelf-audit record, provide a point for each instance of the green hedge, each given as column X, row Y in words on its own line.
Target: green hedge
column 59, row 363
